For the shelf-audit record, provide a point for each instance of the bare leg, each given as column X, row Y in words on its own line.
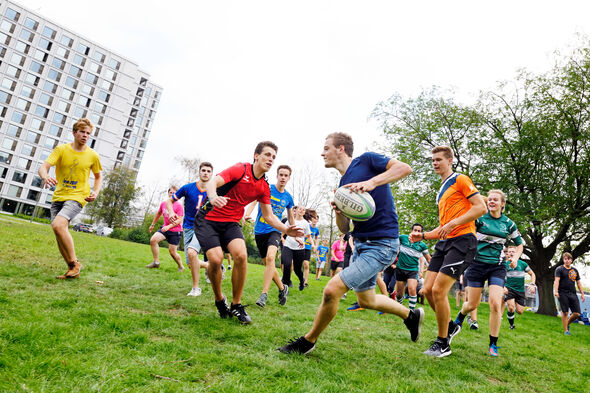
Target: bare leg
column 237, row 248
column 440, row 290
column 215, row 256
column 333, row 291
column 193, row 264
column 65, row 242
column 155, row 245
column 270, row 271
column 428, row 285
column 174, row 254
column 369, row 299
column 496, row 294
column 381, row 284
column 305, row 271
column 572, row 318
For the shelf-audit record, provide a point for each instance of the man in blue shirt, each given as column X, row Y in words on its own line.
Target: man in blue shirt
column 194, row 194
column 376, row 240
column 268, row 238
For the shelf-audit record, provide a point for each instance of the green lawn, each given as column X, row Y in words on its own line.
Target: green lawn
column 121, row 327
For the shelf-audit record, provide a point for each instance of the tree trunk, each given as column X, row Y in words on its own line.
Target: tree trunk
column 546, row 299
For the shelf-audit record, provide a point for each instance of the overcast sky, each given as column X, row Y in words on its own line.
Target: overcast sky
column 238, row 72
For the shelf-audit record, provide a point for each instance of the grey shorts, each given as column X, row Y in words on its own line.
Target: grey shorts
column 190, row 241
column 67, row 209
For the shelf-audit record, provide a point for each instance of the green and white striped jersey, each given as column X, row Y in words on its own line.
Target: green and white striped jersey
column 515, row 277
column 492, row 233
column 410, row 253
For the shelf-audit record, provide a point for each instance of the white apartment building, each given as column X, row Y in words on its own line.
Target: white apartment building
column 49, row 78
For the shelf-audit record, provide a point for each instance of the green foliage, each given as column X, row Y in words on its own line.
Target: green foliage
column 36, row 219
column 121, row 327
column 530, row 138
column 113, row 205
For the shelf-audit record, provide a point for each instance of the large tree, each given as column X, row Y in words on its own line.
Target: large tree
column 530, row 138
column 113, row 205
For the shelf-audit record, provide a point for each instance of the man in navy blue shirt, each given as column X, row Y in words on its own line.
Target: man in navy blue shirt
column 376, row 240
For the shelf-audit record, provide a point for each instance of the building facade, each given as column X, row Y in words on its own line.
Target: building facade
column 49, row 78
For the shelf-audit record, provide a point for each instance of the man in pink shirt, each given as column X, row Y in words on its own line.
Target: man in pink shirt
column 170, row 231
column 338, row 248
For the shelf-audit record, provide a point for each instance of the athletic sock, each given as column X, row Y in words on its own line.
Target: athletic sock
column 493, row 340
column 460, row 318
column 412, row 302
column 444, row 341
column 400, row 300
column 510, row 318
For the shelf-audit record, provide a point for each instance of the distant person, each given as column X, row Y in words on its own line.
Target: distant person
column 566, row 276
column 194, row 194
column 311, row 243
column 514, row 290
column 73, row 163
column 218, row 228
column 338, row 248
column 322, row 255
column 376, row 240
column 170, row 232
column 268, row 238
column 294, row 249
column 459, row 204
column 228, row 257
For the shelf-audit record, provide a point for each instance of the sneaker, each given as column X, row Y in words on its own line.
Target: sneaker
column 301, row 287
column 306, row 285
column 438, row 350
column 261, row 302
column 238, row 311
column 283, row 295
column 317, row 279
column 469, row 320
column 414, row 323
column 474, row 325
column 454, row 329
column 195, row 292
column 207, row 277
column 222, row 271
column 567, row 333
column 223, row 308
column 300, row 346
column 493, row 351
column 153, row 265
column 355, row 307
column 343, row 297
column 512, row 327
column 228, row 267
column 180, row 268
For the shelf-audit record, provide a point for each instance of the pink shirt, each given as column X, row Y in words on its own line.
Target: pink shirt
column 338, row 251
column 178, row 209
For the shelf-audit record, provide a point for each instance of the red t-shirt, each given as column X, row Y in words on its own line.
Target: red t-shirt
column 247, row 190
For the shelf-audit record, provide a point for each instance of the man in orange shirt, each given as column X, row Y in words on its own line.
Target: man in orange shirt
column 459, row 204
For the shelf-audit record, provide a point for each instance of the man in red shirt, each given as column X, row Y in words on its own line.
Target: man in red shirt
column 217, row 224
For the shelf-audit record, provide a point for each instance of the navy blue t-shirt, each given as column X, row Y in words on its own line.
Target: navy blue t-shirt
column 193, row 198
column 384, row 222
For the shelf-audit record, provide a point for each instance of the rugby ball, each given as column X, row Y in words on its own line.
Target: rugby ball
column 358, row 206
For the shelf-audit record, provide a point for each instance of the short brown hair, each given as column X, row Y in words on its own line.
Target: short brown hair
column 447, row 151
column 342, row 139
column 287, row 167
column 173, row 187
column 81, row 123
column 566, row 254
column 264, row 144
column 207, row 164
column 309, row 214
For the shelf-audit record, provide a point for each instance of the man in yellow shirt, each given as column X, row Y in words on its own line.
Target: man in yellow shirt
column 73, row 162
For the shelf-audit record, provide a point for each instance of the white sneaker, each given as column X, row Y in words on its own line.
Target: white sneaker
column 195, row 292
column 222, row 271
column 207, row 277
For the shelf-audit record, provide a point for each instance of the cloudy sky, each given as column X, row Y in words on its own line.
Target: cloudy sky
column 237, row 72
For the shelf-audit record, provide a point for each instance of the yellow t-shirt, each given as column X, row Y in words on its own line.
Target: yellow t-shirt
column 72, row 170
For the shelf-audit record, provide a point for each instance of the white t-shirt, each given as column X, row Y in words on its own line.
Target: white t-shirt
column 291, row 242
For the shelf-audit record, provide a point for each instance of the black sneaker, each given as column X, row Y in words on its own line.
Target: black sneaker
column 454, row 329
column 414, row 323
column 300, row 345
column 301, row 287
column 474, row 325
column 438, row 350
column 283, row 295
column 512, row 327
column 261, row 302
column 238, row 311
column 222, row 308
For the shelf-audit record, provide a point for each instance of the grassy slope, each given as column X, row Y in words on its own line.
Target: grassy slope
column 114, row 336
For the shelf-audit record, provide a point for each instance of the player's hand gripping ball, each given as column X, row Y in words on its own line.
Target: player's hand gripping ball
column 358, row 206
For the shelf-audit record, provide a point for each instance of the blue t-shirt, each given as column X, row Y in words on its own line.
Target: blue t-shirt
column 193, row 199
column 323, row 253
column 315, row 232
column 384, row 222
column 279, row 201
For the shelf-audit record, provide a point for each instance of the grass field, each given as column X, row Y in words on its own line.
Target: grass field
column 121, row 328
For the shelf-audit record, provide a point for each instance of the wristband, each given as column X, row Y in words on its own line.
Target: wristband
column 423, row 236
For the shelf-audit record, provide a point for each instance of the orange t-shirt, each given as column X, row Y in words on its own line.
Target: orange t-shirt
column 452, row 202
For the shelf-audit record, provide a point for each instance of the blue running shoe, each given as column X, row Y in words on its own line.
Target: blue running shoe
column 355, row 307
column 493, row 350
column 567, row 333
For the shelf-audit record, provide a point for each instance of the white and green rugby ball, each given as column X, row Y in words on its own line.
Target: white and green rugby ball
column 358, row 206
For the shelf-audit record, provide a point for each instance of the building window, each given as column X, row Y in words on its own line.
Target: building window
column 41, row 111
column 40, row 55
column 36, row 182
column 123, row 143
column 98, row 56
column 13, row 71
column 17, row 59
column 59, row 118
column 57, row 63
column 7, row 26
column 139, row 92
column 67, row 94
column 103, row 96
column 23, row 163
column 19, row 177
column 23, row 105
column 13, row 130
column 133, row 112
column 33, row 137
column 87, row 89
column 53, row 74
column 32, row 79
column 63, row 106
column 130, row 122
column 114, row 64
column 27, row 91
column 62, row 52
column 67, row 41
column 26, row 35
column 75, row 71
column 109, row 74
column 21, row 47
column 9, row 144
column 19, row 117
column 37, row 124
column 80, row 112
column 46, row 99
column 5, row 97
column 3, row 172
column 106, row 85
column 28, row 150
column 79, row 60
column 36, row 67
column 5, row 39
column 83, row 49
column 84, row 101
column 142, row 81
column 55, row 130
column 71, row 82
column 127, row 134
column 91, row 78
column 95, row 67
column 12, row 14
column 44, row 154
column 49, row 32
column 14, row 191
column 50, row 143
column 45, row 44
column 31, row 24
column 50, row 87
column 5, row 157
column 33, row 195
column 120, row 155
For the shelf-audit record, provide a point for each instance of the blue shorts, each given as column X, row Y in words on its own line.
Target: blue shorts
column 190, row 241
column 370, row 257
column 480, row 272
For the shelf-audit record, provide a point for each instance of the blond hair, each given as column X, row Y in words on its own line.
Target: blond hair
column 81, row 123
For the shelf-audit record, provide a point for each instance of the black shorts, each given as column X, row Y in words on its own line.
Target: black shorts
column 453, row 256
column 307, row 254
column 346, row 261
column 480, row 272
column 569, row 301
column 404, row 275
column 519, row 297
column 171, row 237
column 265, row 240
column 211, row 234
column 335, row 265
